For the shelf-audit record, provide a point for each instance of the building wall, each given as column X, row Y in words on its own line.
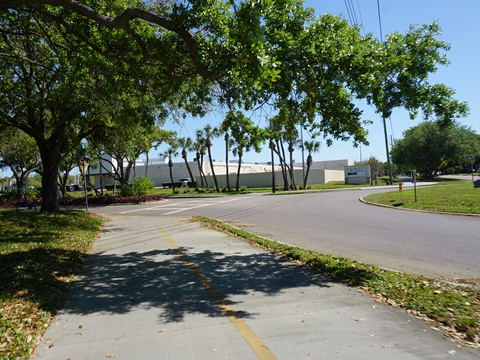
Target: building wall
column 264, row 179
column 251, row 175
column 332, row 164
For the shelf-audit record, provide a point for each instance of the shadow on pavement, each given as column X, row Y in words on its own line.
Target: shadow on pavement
column 118, row 284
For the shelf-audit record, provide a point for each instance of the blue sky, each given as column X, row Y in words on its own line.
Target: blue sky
column 459, row 22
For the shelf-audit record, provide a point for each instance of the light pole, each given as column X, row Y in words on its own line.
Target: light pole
column 388, row 152
column 84, row 165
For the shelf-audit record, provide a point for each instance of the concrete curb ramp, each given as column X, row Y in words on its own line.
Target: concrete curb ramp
column 167, row 288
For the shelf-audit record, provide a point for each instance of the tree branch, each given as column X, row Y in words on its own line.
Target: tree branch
column 122, row 22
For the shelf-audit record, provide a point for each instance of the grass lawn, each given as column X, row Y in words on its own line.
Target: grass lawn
column 454, row 197
column 40, row 254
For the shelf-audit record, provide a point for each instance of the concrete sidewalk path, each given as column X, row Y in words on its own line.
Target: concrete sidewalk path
column 167, row 288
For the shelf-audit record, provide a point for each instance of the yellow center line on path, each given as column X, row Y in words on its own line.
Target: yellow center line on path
column 255, row 343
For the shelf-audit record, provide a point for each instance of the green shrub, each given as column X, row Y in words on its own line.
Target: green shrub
column 142, row 185
column 31, row 193
column 8, row 194
column 127, row 190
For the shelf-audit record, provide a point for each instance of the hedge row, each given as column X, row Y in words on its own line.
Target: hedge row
column 94, row 200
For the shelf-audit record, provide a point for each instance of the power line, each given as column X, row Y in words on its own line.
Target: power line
column 379, row 20
column 348, row 11
column 360, row 12
column 352, row 13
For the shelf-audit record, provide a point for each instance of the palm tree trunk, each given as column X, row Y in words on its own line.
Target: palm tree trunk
column 282, row 164
column 226, row 160
column 306, row 177
column 240, row 155
column 203, row 173
column 200, row 170
column 292, row 176
column 191, row 175
column 213, row 171
column 170, row 165
column 146, row 165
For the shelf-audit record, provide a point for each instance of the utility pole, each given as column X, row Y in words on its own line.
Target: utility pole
column 388, row 152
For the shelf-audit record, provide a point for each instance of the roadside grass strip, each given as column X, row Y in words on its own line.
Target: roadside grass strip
column 451, row 306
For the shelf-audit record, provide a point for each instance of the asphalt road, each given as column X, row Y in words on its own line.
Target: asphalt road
column 337, row 223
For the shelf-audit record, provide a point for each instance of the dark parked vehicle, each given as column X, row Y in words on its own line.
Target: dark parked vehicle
column 74, row 187
column 185, row 181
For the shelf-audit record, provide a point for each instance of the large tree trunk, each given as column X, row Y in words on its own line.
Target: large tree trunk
column 20, row 180
column 51, row 159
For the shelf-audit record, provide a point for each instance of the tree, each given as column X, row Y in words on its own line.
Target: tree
column 276, row 132
column 170, row 153
column 207, row 133
column 244, row 136
column 429, row 145
column 376, row 166
column 39, row 68
column 312, row 147
column 125, row 142
column 186, row 144
column 49, row 52
column 200, row 148
column 253, row 52
column 323, row 68
column 18, row 153
column 401, row 78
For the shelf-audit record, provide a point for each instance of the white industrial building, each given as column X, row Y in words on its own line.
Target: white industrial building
column 251, row 174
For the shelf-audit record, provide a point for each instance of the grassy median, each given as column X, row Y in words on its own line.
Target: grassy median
column 40, row 254
column 453, row 197
column 454, row 307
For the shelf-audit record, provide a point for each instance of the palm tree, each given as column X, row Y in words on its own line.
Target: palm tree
column 200, row 148
column 171, row 152
column 312, row 147
column 208, row 132
column 244, row 136
column 225, row 128
column 187, row 143
column 227, row 148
